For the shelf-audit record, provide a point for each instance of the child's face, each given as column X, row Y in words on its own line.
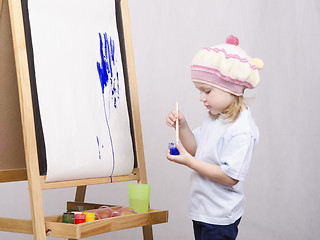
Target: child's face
column 214, row 99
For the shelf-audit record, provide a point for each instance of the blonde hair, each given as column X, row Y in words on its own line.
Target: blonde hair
column 232, row 112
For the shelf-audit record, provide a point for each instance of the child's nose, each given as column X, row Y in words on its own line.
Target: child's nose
column 202, row 97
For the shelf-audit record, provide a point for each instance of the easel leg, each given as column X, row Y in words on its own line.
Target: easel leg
column 147, row 233
column 37, row 210
column 30, row 144
column 81, row 193
column 80, row 196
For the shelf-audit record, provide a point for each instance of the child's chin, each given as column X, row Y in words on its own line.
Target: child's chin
column 212, row 112
column 214, row 115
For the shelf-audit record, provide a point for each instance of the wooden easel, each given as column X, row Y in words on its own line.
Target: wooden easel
column 23, row 165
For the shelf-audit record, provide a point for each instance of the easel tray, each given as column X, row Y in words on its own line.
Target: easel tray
column 76, row 231
column 55, row 227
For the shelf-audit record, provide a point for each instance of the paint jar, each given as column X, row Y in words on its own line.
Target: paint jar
column 79, row 218
column 68, row 218
column 90, row 216
column 173, row 149
column 76, row 212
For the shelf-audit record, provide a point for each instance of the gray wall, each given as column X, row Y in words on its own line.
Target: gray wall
column 282, row 193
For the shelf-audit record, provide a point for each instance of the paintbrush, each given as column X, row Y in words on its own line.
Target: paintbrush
column 177, row 124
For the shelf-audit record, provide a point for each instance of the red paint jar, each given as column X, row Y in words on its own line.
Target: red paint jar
column 79, row 218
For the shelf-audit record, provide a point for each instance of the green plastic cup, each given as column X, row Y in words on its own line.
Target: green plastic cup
column 139, row 197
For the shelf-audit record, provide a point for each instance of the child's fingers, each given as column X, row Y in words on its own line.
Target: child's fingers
column 170, row 123
column 170, row 157
column 168, row 154
column 173, row 115
column 171, row 119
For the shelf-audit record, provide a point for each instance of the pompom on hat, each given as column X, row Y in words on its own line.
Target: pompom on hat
column 227, row 67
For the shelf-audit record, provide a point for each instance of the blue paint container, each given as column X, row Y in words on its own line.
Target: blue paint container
column 173, row 149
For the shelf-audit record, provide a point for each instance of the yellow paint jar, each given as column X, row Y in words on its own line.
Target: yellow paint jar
column 90, row 216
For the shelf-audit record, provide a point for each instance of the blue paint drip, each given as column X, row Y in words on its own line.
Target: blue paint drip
column 111, row 142
column 109, row 77
column 99, row 147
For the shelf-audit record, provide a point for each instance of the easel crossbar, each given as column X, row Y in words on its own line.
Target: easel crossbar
column 12, row 175
column 16, row 225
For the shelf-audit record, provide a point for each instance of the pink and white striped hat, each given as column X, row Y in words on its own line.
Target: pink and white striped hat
column 227, row 67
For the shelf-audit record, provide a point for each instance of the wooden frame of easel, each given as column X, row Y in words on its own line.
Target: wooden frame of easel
column 39, row 224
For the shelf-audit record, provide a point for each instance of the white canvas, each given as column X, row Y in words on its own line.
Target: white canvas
column 84, row 114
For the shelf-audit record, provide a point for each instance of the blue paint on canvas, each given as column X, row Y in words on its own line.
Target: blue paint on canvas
column 108, row 73
column 109, row 80
column 99, row 145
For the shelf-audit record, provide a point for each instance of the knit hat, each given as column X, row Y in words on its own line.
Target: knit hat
column 227, row 67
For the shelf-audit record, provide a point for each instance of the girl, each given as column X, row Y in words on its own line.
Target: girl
column 220, row 150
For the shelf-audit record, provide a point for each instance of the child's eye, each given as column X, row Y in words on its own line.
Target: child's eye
column 207, row 91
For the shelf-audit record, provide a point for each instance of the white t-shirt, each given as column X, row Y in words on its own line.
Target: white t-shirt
column 229, row 145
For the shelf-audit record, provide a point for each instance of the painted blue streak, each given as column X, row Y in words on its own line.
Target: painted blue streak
column 108, row 47
column 105, row 70
column 111, row 142
column 102, row 68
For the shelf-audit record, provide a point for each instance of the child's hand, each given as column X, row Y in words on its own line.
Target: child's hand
column 172, row 118
column 183, row 158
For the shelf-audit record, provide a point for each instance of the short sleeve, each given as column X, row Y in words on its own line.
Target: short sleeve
column 236, row 156
column 196, row 133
